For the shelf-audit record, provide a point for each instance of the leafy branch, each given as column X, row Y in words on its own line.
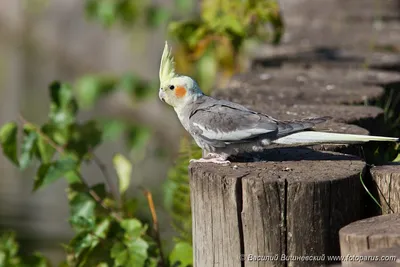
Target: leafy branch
column 105, row 232
column 61, row 151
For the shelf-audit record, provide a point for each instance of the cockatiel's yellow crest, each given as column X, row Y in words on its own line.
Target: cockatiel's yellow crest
column 175, row 90
column 167, row 66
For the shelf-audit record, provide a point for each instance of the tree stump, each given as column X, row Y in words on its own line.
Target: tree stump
column 386, row 257
column 269, row 56
column 387, row 179
column 343, row 23
column 267, row 212
column 371, row 233
column 298, row 86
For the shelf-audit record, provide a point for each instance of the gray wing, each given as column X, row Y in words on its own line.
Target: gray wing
column 223, row 121
column 230, row 123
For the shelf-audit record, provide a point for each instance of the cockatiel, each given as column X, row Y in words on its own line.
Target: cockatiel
column 223, row 129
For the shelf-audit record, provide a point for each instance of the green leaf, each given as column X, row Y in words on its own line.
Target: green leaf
column 138, row 136
column 87, row 240
column 50, row 172
column 37, row 260
column 81, row 203
column 8, row 244
column 234, row 25
column 84, row 246
column 8, row 141
column 137, row 252
column 106, row 12
column 112, row 129
column 63, row 106
column 100, row 190
column 123, row 168
column 130, row 206
column 120, row 254
column 27, row 148
column 397, row 159
column 133, row 228
column 9, row 250
column 187, row 32
column 85, row 137
column 82, row 241
column 82, row 223
column 62, row 96
column 129, row 11
column 3, row 258
column 128, row 83
column 91, row 87
column 157, row 15
column 133, row 253
column 73, row 177
column 207, row 68
column 102, row 228
column 182, row 253
column 88, row 91
column 45, row 150
column 152, row 262
column 184, row 5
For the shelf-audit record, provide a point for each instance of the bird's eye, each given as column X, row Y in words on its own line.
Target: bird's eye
column 171, row 87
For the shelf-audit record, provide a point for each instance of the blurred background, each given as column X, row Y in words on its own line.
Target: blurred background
column 109, row 51
column 42, row 41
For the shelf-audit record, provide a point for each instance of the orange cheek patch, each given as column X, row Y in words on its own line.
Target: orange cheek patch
column 180, row 91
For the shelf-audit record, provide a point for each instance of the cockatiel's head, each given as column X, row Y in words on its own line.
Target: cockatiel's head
column 176, row 90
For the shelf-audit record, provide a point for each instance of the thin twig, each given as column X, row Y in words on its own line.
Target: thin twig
column 61, row 150
column 48, row 140
column 149, row 198
column 107, row 178
column 98, row 199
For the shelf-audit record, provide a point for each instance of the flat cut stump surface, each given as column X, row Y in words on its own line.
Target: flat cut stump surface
column 299, row 86
column 298, row 55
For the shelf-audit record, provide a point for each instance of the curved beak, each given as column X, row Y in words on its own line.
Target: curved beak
column 161, row 95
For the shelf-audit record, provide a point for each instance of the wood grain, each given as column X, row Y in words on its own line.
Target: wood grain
column 293, row 205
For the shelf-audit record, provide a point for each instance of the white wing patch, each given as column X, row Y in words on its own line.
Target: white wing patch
column 231, row 135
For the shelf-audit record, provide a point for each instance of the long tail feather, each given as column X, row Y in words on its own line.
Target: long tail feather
column 287, row 127
column 312, row 137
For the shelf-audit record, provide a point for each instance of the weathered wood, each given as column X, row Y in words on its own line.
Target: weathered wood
column 216, row 206
column 300, row 86
column 354, row 34
column 340, row 22
column 344, row 75
column 371, row 233
column 387, row 180
column 293, row 205
column 335, row 11
column 269, row 56
column 386, row 257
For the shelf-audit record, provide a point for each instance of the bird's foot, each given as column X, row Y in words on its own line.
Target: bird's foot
column 218, row 160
